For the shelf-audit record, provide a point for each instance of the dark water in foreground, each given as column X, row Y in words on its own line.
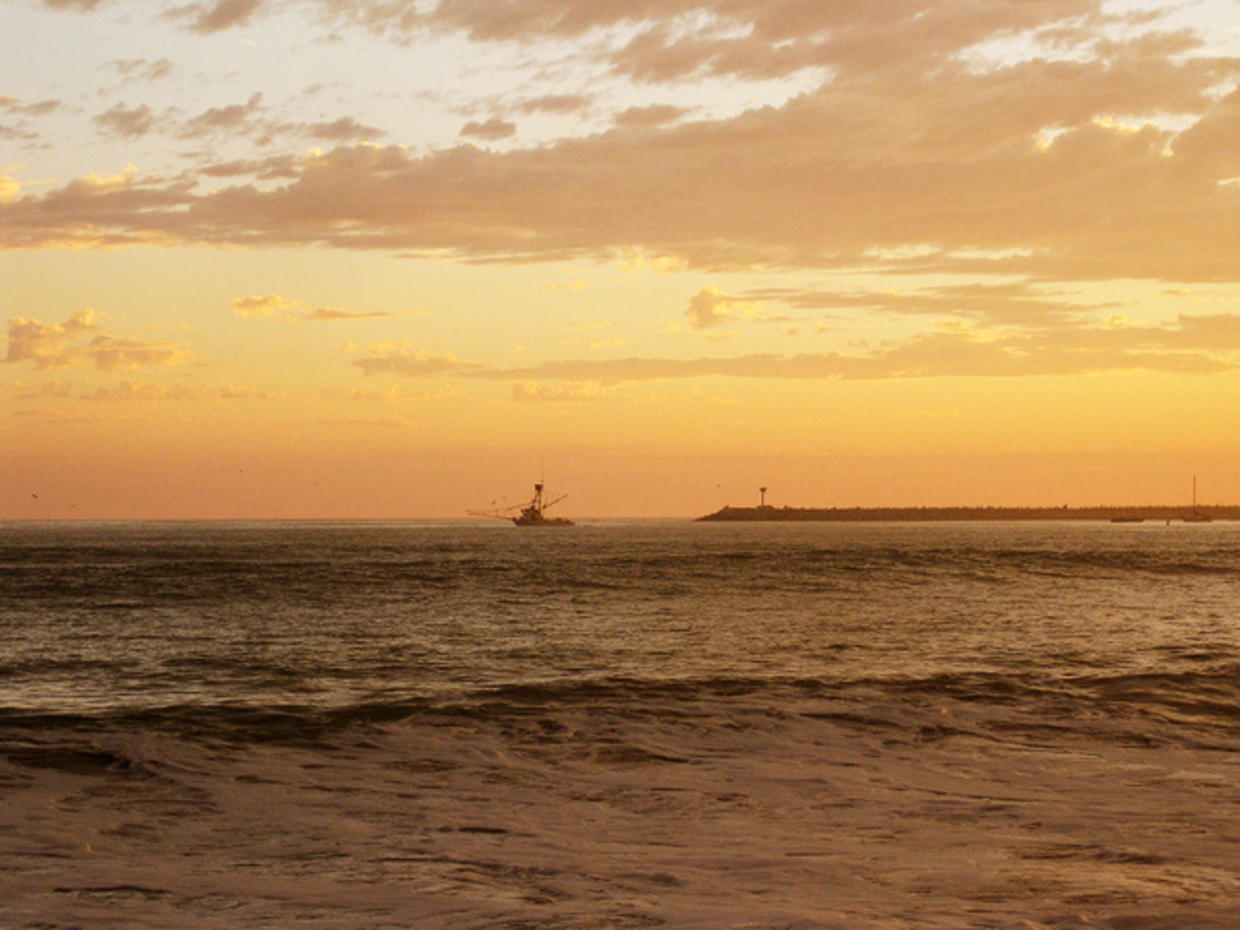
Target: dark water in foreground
column 620, row 725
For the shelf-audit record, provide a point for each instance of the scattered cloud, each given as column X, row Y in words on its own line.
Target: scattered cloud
column 48, row 345
column 126, row 122
column 130, row 391
column 710, row 307
column 64, row 345
column 11, row 133
column 254, row 119
column 15, row 106
column 112, row 353
column 234, row 118
column 271, row 306
column 344, row 129
column 222, row 14
column 143, row 69
column 490, row 130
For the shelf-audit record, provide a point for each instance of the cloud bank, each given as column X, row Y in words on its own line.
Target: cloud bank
column 1108, row 148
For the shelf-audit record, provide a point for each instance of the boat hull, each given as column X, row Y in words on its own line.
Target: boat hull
column 541, row 521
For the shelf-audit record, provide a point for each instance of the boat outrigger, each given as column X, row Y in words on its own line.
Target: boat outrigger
column 531, row 513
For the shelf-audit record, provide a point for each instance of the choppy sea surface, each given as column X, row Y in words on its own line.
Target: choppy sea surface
column 620, row 725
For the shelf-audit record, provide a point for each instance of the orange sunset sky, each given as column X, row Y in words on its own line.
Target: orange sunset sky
column 361, row 258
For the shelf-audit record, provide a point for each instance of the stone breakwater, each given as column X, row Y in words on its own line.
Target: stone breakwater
column 910, row 514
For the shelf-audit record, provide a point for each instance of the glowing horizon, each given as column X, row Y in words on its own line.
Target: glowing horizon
column 336, row 259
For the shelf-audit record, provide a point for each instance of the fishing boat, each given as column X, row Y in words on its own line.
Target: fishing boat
column 530, row 513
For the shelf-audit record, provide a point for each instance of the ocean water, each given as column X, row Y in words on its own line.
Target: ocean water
column 620, row 725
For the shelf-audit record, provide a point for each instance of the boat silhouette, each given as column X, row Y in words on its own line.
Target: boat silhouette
column 1195, row 515
column 530, row 513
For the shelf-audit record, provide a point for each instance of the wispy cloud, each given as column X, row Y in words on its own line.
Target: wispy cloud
column 335, row 314
column 16, row 106
column 651, row 115
column 144, row 69
column 542, row 392
column 1192, row 345
column 403, row 359
column 275, row 307
column 560, row 104
column 265, row 307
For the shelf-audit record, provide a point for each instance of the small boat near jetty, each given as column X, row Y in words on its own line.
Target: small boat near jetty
column 1195, row 515
column 530, row 513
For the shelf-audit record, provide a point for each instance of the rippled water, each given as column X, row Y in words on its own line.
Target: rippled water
column 620, row 724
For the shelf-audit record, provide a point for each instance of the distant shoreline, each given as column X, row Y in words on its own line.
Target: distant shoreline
column 768, row 513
